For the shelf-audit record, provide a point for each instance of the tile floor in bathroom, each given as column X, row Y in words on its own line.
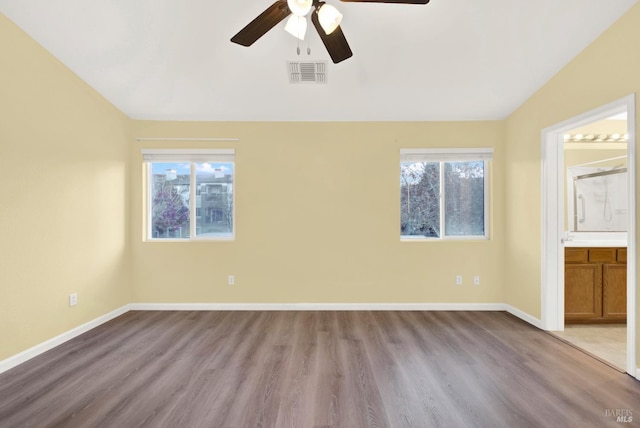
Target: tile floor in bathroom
column 607, row 342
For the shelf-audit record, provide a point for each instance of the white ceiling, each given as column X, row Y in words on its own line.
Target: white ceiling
column 448, row 60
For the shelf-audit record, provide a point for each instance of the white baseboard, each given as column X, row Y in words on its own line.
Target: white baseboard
column 20, row 358
column 523, row 316
column 316, row 307
column 34, row 351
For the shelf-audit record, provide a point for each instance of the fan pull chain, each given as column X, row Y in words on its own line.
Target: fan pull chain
column 298, row 50
column 308, row 46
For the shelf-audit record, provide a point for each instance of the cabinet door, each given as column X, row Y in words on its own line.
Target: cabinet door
column 614, row 291
column 582, row 291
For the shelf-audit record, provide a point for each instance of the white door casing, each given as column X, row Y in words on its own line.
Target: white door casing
column 552, row 258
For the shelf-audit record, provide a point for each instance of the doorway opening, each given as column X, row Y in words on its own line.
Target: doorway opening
column 589, row 227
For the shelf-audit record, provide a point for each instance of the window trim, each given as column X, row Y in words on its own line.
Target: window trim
column 440, row 155
column 192, row 156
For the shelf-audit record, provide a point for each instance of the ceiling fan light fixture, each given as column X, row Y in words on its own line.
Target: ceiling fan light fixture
column 299, row 7
column 296, row 26
column 329, row 17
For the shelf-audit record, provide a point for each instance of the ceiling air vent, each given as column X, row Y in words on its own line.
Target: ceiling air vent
column 307, row 71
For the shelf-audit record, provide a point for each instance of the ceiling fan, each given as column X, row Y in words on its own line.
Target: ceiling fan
column 325, row 18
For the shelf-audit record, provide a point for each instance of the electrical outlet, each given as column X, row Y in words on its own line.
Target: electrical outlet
column 458, row 279
column 73, row 299
column 476, row 280
column 231, row 280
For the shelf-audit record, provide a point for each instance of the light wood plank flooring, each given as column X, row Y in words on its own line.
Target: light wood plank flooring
column 315, row 369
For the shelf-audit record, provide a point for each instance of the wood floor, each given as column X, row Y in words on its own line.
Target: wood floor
column 316, row 369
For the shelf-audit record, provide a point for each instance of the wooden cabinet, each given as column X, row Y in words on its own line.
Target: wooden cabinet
column 614, row 291
column 582, row 291
column 595, row 285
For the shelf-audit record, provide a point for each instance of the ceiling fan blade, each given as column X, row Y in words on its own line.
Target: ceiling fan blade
column 389, row 1
column 335, row 42
column 263, row 23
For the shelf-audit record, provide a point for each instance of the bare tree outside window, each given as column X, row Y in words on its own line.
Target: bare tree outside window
column 464, row 198
column 420, row 199
column 170, row 215
column 170, row 203
column 442, row 199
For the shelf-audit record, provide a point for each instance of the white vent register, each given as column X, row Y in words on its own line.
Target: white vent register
column 307, row 71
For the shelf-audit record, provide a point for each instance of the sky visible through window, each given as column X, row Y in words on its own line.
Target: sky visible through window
column 182, row 168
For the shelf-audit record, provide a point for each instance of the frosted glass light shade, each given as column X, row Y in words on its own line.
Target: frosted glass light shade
column 296, row 26
column 299, row 7
column 329, row 18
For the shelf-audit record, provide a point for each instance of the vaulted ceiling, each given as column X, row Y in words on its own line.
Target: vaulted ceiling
column 448, row 60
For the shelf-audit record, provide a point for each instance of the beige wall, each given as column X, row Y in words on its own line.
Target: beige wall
column 317, row 203
column 64, row 192
column 601, row 127
column 605, row 71
column 318, row 219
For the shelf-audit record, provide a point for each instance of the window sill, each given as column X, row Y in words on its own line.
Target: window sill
column 212, row 239
column 447, row 239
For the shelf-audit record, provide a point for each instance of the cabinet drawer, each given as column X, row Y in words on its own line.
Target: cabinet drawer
column 603, row 255
column 622, row 255
column 576, row 255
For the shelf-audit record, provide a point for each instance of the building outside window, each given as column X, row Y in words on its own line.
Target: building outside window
column 190, row 194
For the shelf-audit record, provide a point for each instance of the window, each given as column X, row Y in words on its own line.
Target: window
column 190, row 194
column 444, row 193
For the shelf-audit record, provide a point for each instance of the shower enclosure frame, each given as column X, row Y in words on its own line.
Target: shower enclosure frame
column 577, row 196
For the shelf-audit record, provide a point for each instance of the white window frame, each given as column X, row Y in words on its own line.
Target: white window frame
column 192, row 156
column 452, row 155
